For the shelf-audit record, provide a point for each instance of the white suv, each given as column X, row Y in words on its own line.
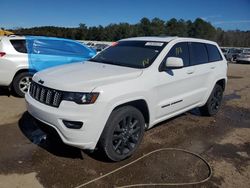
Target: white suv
column 14, row 66
column 131, row 86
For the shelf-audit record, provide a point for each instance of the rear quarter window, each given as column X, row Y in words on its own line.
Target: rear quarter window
column 213, row 53
column 198, row 53
column 19, row 45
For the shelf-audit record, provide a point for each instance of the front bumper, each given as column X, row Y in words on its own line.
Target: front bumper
column 92, row 116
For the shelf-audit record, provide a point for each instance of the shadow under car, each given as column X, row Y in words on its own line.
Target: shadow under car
column 50, row 141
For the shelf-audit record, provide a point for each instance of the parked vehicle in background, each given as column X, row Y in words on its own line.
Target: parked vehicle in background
column 231, row 54
column 131, row 86
column 90, row 44
column 100, row 47
column 224, row 51
column 243, row 57
column 21, row 57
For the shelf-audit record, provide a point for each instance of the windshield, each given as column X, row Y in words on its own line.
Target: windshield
column 135, row 54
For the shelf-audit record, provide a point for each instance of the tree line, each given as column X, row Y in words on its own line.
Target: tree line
column 146, row 27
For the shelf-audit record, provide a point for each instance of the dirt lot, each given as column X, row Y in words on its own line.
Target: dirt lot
column 27, row 160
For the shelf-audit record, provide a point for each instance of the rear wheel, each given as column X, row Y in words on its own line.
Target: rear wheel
column 21, row 83
column 123, row 133
column 214, row 102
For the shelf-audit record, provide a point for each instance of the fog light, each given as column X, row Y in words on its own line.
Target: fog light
column 73, row 124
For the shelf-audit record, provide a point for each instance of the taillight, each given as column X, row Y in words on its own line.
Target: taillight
column 2, row 54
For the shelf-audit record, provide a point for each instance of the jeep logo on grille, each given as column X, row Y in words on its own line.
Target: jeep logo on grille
column 41, row 81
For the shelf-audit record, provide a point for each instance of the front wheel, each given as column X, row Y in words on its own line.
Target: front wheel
column 21, row 83
column 213, row 103
column 123, row 133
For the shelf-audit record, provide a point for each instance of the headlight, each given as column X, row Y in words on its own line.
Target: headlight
column 80, row 98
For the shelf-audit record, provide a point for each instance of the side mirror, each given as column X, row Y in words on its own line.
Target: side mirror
column 174, row 62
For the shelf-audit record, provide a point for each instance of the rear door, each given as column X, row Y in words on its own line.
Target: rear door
column 214, row 66
column 204, row 69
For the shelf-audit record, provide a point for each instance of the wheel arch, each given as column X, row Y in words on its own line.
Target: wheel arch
column 222, row 83
column 23, row 70
column 139, row 104
column 14, row 85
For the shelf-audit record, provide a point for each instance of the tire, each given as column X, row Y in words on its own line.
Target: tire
column 123, row 133
column 21, row 83
column 213, row 103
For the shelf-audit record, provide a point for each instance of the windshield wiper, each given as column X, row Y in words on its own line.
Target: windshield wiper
column 115, row 63
column 102, row 61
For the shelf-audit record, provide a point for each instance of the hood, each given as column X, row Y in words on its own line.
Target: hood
column 84, row 76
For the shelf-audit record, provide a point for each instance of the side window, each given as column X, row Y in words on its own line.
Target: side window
column 19, row 45
column 213, row 53
column 198, row 53
column 179, row 50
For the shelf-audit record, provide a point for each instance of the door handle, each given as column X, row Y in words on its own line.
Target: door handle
column 212, row 67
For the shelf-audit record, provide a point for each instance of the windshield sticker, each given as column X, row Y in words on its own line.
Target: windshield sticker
column 145, row 62
column 154, row 44
column 178, row 51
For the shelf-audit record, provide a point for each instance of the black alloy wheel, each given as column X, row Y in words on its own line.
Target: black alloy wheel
column 214, row 102
column 123, row 133
column 126, row 135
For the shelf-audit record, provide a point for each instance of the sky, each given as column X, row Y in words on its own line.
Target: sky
column 226, row 14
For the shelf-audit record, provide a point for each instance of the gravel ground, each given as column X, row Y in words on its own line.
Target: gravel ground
column 27, row 160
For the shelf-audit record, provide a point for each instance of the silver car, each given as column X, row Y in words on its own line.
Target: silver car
column 244, row 57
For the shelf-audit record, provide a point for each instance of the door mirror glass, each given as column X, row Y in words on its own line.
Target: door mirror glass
column 174, row 62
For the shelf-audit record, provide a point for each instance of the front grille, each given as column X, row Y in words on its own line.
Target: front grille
column 45, row 95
